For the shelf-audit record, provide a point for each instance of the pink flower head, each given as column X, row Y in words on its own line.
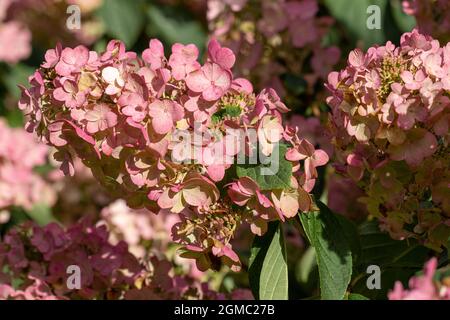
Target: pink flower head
column 196, row 191
column 224, row 57
column 270, row 99
column 52, row 56
column 100, row 118
column 313, row 158
column 242, row 190
column 164, row 114
column 72, row 60
column 154, row 55
column 183, row 60
column 69, row 94
column 270, row 132
column 134, row 106
column 211, row 80
column 420, row 144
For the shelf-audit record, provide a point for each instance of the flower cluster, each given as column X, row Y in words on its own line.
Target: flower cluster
column 390, row 121
column 39, row 257
column 35, row 262
column 166, row 134
column 160, row 281
column 275, row 40
column 432, row 16
column 139, row 228
column 15, row 38
column 428, row 286
column 167, row 275
column 20, row 186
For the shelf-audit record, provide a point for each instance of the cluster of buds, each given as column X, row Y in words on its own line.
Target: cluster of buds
column 40, row 258
column 428, row 286
column 432, row 16
column 20, row 185
column 275, row 39
column 390, row 121
column 173, row 136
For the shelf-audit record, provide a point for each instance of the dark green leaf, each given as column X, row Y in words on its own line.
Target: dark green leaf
column 353, row 15
column 123, row 19
column 174, row 25
column 398, row 260
column 404, row 21
column 333, row 239
column 278, row 171
column 268, row 272
column 355, row 296
column 17, row 74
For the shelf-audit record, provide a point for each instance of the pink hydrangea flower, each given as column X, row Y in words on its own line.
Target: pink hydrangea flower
column 390, row 120
column 211, row 80
column 154, row 55
column 164, row 113
column 123, row 116
column 69, row 94
column 423, row 287
column 183, row 60
column 72, row 60
column 100, row 118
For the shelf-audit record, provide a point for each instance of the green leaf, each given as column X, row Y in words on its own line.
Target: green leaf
column 404, row 21
column 275, row 174
column 306, row 265
column 41, row 214
column 333, row 239
column 123, row 19
column 398, row 260
column 174, row 25
column 355, row 296
column 353, row 15
column 306, row 270
column 268, row 271
column 17, row 74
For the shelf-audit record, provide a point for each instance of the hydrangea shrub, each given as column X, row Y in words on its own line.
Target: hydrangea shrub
column 211, row 189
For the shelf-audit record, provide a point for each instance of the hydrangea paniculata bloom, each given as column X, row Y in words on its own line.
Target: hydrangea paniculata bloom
column 37, row 259
column 40, row 256
column 390, row 120
column 166, row 133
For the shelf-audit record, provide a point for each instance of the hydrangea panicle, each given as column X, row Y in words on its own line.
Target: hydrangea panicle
column 390, row 121
column 165, row 133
